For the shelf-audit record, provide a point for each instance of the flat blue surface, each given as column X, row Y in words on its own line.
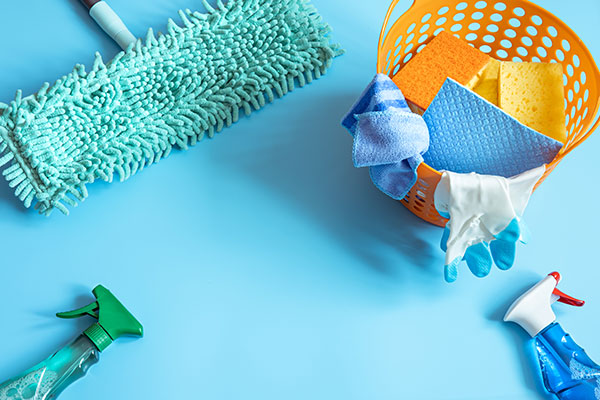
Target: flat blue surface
column 262, row 264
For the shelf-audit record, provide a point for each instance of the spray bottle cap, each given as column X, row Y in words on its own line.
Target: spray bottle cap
column 114, row 320
column 533, row 310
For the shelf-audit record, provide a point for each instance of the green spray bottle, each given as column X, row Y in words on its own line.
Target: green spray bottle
column 48, row 379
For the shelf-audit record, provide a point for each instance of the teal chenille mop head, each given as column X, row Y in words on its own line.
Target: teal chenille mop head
column 168, row 91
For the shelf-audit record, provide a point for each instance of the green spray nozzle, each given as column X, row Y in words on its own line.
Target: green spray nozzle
column 114, row 320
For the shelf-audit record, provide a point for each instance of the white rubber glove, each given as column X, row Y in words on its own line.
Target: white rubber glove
column 485, row 218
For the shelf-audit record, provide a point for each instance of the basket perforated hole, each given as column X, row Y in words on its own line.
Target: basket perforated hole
column 570, row 70
column 461, row 6
column 441, row 21
column 542, row 52
column 570, row 95
column 585, row 112
column 510, row 33
column 397, row 51
column 573, row 111
column 496, row 17
column 514, row 22
column 547, row 41
column 500, row 6
column 578, row 121
column 423, row 38
column 480, row 5
column 519, row 11
column 489, row 39
column 398, row 67
column 410, row 38
column 579, row 103
column 535, row 59
column 565, row 80
column 522, row 51
column 474, row 26
column 552, row 31
column 425, row 18
column 421, row 47
column 456, row 28
column 536, row 19
column 471, row 36
column 566, row 45
column 560, row 55
column 583, row 78
column 506, row 43
column 492, row 28
column 485, row 48
column 424, row 28
column 567, row 118
column 437, row 31
column 502, row 53
column 517, row 59
column 576, row 61
column 458, row 17
column 477, row 15
column 526, row 40
column 406, row 59
column 398, row 41
column 443, row 10
column 411, row 27
column 532, row 31
column 409, row 48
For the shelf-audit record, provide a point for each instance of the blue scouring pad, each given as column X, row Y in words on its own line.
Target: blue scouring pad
column 470, row 134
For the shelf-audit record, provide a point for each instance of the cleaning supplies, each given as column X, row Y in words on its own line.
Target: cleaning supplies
column 567, row 371
column 48, row 379
column 110, row 22
column 167, row 92
column 484, row 215
column 443, row 57
column 388, row 137
column 533, row 93
column 469, row 134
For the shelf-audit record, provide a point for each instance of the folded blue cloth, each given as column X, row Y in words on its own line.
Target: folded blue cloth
column 388, row 137
column 470, row 134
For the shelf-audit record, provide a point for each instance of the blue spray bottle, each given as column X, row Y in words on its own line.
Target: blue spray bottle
column 567, row 371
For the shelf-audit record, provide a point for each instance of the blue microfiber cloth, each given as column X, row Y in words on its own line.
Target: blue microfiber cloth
column 388, row 137
column 470, row 134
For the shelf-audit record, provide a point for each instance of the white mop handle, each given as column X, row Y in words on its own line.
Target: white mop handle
column 110, row 22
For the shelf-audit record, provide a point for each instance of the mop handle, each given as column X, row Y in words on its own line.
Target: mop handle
column 110, row 22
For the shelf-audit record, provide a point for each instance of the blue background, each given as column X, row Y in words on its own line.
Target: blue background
column 261, row 263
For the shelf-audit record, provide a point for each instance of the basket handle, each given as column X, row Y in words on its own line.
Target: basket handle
column 390, row 10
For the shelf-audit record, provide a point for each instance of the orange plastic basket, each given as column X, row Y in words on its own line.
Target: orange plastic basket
column 514, row 30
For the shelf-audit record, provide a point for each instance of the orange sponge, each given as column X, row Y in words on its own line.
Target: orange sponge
column 444, row 57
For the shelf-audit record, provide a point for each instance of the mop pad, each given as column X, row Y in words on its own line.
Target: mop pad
column 169, row 91
column 469, row 134
column 388, row 137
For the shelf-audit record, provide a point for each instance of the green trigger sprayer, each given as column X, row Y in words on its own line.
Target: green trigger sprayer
column 49, row 378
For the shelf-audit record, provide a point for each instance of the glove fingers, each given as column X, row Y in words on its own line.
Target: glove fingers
column 479, row 260
column 451, row 271
column 504, row 253
column 445, row 237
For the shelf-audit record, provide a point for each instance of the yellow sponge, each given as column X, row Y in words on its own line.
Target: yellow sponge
column 485, row 84
column 533, row 93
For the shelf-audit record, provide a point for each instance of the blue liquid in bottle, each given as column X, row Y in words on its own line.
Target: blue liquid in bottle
column 567, row 371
